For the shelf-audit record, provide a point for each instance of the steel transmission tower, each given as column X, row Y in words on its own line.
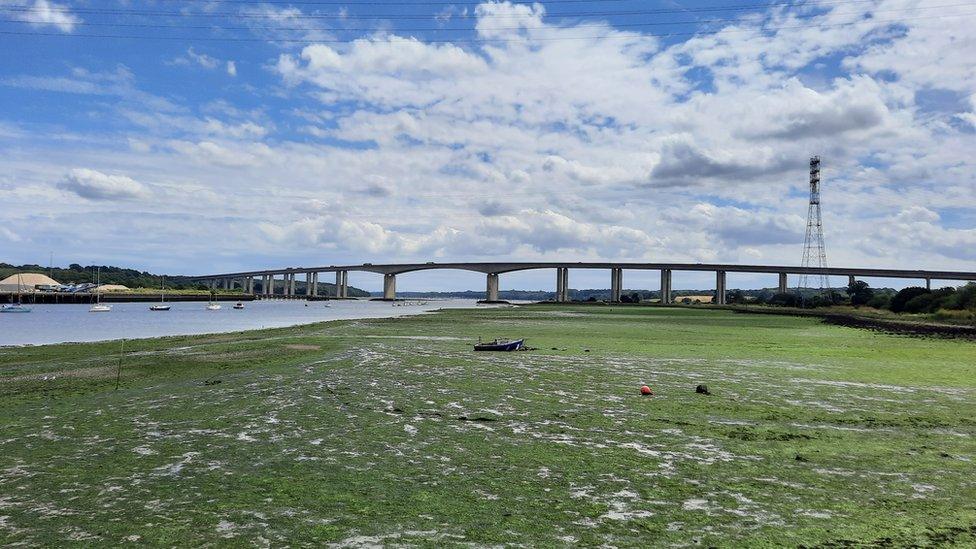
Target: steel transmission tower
column 814, row 253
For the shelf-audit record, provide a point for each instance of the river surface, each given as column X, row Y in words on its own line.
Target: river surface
column 74, row 323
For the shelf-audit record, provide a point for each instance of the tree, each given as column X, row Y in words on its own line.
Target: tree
column 784, row 300
column 635, row 297
column 859, row 292
column 904, row 296
column 735, row 296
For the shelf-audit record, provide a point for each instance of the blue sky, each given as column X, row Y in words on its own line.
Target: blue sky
column 231, row 135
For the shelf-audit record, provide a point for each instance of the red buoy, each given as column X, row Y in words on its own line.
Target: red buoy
column 645, row 390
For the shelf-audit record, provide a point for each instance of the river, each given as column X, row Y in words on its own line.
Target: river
column 74, row 323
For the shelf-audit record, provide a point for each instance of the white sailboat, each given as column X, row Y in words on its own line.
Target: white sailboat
column 212, row 305
column 16, row 306
column 99, row 307
column 162, row 306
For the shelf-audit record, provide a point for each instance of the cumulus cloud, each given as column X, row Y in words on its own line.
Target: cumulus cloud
column 682, row 162
column 572, row 140
column 95, row 185
column 44, row 13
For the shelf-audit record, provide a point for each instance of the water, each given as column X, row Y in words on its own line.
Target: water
column 74, row 323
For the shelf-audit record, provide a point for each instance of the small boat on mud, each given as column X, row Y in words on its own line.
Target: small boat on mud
column 500, row 345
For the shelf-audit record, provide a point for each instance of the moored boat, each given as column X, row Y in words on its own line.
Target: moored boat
column 238, row 305
column 16, row 306
column 162, row 306
column 500, row 345
column 99, row 307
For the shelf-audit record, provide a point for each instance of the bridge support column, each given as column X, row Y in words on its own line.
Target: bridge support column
column 666, row 286
column 341, row 284
column 268, row 287
column 389, row 286
column 228, row 283
column 562, row 284
column 850, row 279
column 250, row 285
column 491, row 291
column 292, row 282
column 308, row 283
column 720, row 287
column 616, row 284
column 315, row 283
column 782, row 288
column 928, row 283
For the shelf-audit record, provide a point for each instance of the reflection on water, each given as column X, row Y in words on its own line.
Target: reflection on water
column 64, row 323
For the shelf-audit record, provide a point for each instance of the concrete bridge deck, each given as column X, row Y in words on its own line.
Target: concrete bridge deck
column 246, row 279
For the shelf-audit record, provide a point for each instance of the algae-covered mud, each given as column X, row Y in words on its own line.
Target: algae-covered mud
column 393, row 432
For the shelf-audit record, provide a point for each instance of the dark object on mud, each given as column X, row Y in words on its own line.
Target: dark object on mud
column 586, row 350
column 702, row 390
column 212, row 382
column 800, row 458
column 500, row 345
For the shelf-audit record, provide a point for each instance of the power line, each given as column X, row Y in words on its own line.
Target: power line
column 432, row 29
column 387, row 3
column 400, row 16
column 481, row 40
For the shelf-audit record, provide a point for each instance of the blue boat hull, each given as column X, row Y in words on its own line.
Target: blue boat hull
column 500, row 346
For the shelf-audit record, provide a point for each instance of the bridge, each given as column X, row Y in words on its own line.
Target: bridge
column 246, row 279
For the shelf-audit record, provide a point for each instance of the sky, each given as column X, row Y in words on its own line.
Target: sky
column 192, row 136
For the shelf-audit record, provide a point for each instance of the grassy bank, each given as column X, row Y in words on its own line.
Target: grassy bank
column 393, row 432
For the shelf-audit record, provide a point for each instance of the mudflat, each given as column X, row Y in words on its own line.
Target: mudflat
column 394, row 432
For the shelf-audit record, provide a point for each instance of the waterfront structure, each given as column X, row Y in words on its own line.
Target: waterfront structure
column 493, row 270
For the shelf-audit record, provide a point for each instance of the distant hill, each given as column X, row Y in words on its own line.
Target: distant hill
column 132, row 278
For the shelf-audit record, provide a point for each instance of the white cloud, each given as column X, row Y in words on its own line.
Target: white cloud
column 95, row 185
column 231, row 68
column 565, row 141
column 43, row 13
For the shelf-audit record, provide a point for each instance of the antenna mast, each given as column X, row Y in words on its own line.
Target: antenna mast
column 814, row 252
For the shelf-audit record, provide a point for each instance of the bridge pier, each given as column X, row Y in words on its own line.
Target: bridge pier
column 308, row 284
column 250, row 285
column 666, row 286
column 269, row 287
column 389, row 287
column 562, row 284
column 315, row 284
column 720, row 288
column 782, row 288
column 342, row 284
column 928, row 283
column 616, row 284
column 491, row 290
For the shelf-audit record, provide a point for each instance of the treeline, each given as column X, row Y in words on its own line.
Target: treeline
column 914, row 299
column 131, row 278
column 76, row 274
